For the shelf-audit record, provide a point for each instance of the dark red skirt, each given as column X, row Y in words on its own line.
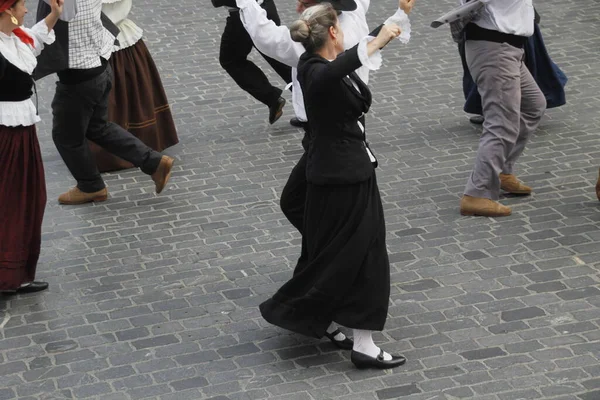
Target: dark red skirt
column 138, row 103
column 22, row 204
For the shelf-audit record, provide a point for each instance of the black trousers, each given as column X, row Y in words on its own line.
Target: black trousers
column 236, row 44
column 80, row 112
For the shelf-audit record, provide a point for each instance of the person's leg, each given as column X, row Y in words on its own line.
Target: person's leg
column 72, row 108
column 496, row 69
column 114, row 138
column 533, row 105
column 236, row 44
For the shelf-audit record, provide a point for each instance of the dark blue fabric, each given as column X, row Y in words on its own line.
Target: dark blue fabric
column 548, row 76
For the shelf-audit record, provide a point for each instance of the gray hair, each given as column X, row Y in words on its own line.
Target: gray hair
column 312, row 29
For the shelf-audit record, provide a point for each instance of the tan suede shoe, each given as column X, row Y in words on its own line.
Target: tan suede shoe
column 484, row 207
column 163, row 173
column 598, row 186
column 75, row 196
column 509, row 183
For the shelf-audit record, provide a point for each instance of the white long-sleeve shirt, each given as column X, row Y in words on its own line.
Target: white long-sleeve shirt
column 276, row 41
column 507, row 16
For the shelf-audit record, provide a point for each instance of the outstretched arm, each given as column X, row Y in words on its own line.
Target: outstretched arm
column 270, row 39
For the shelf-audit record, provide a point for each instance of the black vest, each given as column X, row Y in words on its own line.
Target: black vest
column 16, row 85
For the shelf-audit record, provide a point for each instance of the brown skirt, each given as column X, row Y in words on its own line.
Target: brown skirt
column 138, row 103
column 22, row 204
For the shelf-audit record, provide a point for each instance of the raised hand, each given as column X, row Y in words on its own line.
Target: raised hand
column 386, row 34
column 406, row 5
column 57, row 6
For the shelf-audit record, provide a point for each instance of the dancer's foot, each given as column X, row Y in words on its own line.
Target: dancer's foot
column 340, row 340
column 382, row 361
column 484, row 207
column 477, row 120
column 509, row 183
column 276, row 110
column 75, row 196
column 163, row 173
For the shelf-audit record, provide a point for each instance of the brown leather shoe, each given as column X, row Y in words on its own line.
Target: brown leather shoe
column 163, row 173
column 75, row 196
column 484, row 207
column 598, row 186
column 509, row 183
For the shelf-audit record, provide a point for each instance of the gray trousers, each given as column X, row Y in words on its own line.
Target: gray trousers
column 513, row 106
column 80, row 112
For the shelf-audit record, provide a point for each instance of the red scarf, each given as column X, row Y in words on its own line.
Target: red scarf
column 25, row 38
column 20, row 33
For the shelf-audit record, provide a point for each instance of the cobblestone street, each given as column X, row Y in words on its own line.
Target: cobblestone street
column 156, row 297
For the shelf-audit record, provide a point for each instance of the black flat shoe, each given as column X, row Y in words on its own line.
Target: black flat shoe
column 33, row 287
column 477, row 119
column 345, row 344
column 297, row 123
column 362, row 361
column 276, row 110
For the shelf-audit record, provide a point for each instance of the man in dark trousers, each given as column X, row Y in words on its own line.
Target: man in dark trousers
column 80, row 105
column 236, row 44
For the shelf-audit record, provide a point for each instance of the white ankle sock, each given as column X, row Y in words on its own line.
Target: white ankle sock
column 340, row 336
column 363, row 343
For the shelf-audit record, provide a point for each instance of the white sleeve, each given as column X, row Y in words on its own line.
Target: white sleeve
column 400, row 18
column 364, row 4
column 373, row 62
column 41, row 36
column 272, row 40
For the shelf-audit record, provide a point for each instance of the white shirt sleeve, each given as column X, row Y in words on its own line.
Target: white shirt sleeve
column 272, row 40
column 400, row 18
column 41, row 36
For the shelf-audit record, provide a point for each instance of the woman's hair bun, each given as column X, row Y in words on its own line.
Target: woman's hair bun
column 300, row 31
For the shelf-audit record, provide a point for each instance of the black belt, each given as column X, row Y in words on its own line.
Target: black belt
column 74, row 76
column 475, row 32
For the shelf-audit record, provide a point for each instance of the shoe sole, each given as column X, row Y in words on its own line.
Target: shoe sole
column 170, row 162
column 98, row 199
column 474, row 214
column 278, row 114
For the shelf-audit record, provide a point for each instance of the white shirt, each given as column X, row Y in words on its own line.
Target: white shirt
column 23, row 56
column 507, row 16
column 88, row 39
column 118, row 11
column 276, row 42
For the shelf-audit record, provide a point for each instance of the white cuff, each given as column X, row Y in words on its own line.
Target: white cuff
column 372, row 63
column 41, row 35
column 401, row 19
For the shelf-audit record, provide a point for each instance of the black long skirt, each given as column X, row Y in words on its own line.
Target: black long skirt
column 347, row 276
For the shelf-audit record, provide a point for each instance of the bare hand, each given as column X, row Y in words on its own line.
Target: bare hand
column 57, row 6
column 406, row 5
column 387, row 33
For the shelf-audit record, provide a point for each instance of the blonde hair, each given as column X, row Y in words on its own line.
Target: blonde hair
column 312, row 29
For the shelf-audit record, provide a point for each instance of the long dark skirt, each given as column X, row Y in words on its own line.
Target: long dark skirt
column 22, row 204
column 138, row 103
column 546, row 73
column 347, row 277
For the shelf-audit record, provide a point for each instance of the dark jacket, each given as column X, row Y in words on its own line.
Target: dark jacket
column 337, row 153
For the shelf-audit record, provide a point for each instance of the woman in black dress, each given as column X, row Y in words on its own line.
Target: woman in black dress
column 347, row 276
